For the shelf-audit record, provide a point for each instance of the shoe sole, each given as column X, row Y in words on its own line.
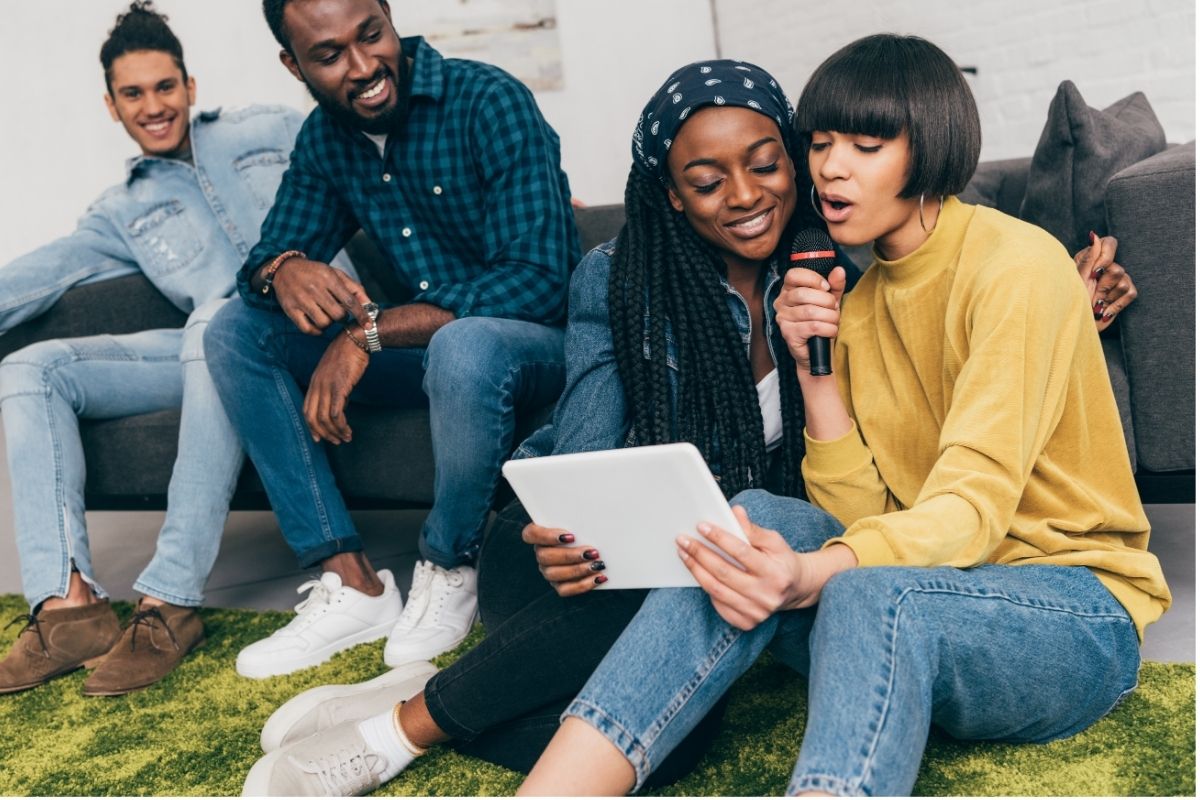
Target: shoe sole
column 317, row 658
column 275, row 730
column 127, row 689
column 258, row 780
column 426, row 655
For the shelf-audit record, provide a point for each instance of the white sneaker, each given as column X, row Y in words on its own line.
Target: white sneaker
column 337, row 762
column 332, row 618
column 325, row 706
column 439, row 614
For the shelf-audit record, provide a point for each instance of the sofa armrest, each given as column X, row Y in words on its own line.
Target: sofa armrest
column 122, row 305
column 1151, row 209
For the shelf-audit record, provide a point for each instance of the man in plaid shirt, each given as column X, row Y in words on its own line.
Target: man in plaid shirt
column 450, row 168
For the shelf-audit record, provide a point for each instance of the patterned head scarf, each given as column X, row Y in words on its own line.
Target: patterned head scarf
column 705, row 83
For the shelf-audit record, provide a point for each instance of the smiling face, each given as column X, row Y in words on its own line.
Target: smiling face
column 859, row 179
column 349, row 56
column 732, row 178
column 151, row 99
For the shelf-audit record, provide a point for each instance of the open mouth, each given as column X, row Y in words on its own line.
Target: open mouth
column 158, row 128
column 834, row 208
column 375, row 94
column 755, row 225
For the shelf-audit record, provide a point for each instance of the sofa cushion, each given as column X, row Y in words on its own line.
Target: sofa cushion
column 1079, row 151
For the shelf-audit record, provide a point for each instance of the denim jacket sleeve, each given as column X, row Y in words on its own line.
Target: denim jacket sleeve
column 308, row 215
column 35, row 281
column 591, row 414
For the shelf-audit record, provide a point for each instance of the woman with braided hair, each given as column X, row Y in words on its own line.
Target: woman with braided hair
column 671, row 338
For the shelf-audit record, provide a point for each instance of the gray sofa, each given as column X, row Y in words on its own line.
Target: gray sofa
column 1151, row 210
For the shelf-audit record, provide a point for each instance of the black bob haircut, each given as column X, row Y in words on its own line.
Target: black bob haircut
column 273, row 11
column 140, row 28
column 886, row 84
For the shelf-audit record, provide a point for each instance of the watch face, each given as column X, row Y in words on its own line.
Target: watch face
column 372, row 309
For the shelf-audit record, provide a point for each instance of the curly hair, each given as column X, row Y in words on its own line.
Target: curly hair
column 664, row 272
column 140, row 28
column 273, row 11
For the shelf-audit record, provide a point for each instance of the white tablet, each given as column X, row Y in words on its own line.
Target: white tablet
column 629, row 504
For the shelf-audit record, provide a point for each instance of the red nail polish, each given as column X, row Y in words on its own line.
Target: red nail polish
column 591, row 554
column 566, row 538
column 601, row 579
column 1092, row 236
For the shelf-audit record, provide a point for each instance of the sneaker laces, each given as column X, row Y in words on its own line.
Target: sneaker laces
column 418, row 595
column 31, row 623
column 437, row 585
column 147, row 618
column 320, row 594
column 345, row 773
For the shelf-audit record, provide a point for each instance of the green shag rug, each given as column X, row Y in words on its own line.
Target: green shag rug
column 196, row 733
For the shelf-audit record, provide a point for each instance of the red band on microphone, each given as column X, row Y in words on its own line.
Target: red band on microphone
column 813, row 254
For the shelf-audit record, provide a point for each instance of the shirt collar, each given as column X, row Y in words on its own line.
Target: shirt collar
column 135, row 165
column 428, row 79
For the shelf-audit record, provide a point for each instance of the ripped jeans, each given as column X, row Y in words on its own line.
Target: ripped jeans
column 47, row 387
column 1007, row 653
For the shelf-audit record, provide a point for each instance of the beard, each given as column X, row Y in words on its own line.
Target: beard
column 386, row 122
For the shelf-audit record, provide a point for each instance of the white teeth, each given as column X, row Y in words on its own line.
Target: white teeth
column 372, row 92
column 752, row 221
column 157, row 127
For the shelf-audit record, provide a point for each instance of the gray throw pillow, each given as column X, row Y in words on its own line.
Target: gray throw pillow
column 1080, row 149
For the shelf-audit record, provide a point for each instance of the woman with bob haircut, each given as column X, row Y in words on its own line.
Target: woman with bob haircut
column 983, row 575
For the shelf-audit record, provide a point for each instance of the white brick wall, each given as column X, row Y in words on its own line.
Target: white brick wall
column 1022, row 49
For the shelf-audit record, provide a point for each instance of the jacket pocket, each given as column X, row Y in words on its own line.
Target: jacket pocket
column 262, row 170
column 165, row 238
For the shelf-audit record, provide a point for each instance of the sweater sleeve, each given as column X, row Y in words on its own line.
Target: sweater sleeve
column 1021, row 326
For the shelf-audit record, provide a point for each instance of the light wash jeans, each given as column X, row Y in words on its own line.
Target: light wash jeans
column 1008, row 653
column 47, row 386
column 475, row 376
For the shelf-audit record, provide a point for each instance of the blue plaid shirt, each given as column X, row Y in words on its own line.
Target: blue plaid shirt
column 468, row 203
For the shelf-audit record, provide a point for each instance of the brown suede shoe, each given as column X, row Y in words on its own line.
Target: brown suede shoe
column 155, row 641
column 56, row 642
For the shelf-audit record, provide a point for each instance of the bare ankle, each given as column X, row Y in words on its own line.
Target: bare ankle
column 355, row 571
column 79, row 593
column 417, row 725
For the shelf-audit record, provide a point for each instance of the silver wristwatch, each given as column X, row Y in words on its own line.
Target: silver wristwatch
column 372, row 333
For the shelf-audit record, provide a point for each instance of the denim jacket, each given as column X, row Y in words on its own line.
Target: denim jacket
column 188, row 228
column 591, row 413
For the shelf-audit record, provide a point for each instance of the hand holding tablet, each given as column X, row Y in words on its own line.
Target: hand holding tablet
column 628, row 504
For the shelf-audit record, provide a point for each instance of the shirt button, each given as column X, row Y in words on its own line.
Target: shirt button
column 387, row 177
column 424, row 285
column 437, row 190
column 406, row 232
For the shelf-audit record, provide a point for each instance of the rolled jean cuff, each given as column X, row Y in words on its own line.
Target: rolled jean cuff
column 443, row 560
column 441, row 716
column 630, row 746
column 315, row 555
column 822, row 783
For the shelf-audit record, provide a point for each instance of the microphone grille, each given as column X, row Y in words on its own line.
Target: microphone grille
column 813, row 249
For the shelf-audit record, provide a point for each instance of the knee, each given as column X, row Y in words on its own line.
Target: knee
column 196, row 328
column 466, row 354
column 31, row 370
column 804, row 526
column 234, row 328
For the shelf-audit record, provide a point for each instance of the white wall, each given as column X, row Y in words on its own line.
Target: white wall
column 1022, row 48
column 59, row 149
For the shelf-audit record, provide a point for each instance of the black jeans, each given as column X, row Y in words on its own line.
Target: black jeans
column 502, row 700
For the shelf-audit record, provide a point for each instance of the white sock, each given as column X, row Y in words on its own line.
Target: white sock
column 382, row 736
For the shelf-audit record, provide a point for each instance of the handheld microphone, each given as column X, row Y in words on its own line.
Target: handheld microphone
column 813, row 249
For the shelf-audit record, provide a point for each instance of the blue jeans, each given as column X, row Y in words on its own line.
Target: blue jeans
column 474, row 376
column 1017, row 654
column 46, row 387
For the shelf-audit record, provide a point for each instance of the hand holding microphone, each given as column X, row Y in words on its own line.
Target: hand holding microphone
column 808, row 307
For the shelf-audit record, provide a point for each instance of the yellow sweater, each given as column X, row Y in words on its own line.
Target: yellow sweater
column 985, row 426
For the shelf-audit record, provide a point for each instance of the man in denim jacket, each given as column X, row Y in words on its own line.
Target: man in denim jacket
column 186, row 216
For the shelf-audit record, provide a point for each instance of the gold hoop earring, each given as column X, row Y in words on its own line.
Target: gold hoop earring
column 812, row 198
column 921, row 211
